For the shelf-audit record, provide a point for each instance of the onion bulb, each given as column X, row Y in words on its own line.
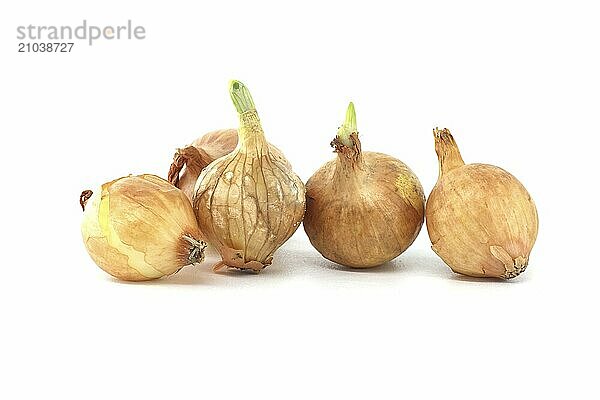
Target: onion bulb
column 363, row 208
column 249, row 202
column 139, row 228
column 481, row 220
column 193, row 158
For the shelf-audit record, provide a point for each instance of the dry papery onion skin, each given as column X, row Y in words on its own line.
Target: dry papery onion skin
column 249, row 202
column 139, row 228
column 481, row 220
column 190, row 160
column 363, row 208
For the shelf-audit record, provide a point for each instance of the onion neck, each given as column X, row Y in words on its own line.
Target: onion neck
column 447, row 151
column 189, row 157
column 196, row 249
column 347, row 146
column 250, row 132
column 84, row 197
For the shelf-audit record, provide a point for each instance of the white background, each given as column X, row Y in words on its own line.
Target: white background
column 516, row 82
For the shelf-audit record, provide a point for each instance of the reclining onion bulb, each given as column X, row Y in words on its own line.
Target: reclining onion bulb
column 248, row 202
column 363, row 208
column 481, row 220
column 139, row 228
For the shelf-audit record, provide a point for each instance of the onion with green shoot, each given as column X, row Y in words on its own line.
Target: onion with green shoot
column 249, row 202
column 363, row 208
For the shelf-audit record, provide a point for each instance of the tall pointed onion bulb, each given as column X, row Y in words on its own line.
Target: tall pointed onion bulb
column 139, row 228
column 481, row 220
column 363, row 208
column 190, row 160
column 249, row 202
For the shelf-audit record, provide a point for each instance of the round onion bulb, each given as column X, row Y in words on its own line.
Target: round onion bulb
column 249, row 202
column 190, row 160
column 481, row 220
column 363, row 208
column 139, row 228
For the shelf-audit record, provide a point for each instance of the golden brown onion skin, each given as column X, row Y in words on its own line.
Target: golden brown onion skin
column 363, row 208
column 481, row 220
